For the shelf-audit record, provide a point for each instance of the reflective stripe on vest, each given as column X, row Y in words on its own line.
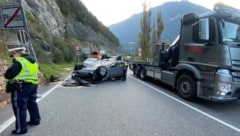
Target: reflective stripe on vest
column 122, row 64
column 29, row 71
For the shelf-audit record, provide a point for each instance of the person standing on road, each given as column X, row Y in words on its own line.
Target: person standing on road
column 22, row 82
column 125, row 67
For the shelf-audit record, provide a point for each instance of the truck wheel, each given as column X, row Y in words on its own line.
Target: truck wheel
column 143, row 74
column 186, row 87
column 136, row 71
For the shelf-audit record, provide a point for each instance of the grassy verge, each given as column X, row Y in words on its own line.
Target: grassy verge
column 57, row 70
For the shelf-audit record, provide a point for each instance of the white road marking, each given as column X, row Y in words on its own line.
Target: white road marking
column 7, row 124
column 189, row 106
column 49, row 91
column 12, row 119
column 72, row 86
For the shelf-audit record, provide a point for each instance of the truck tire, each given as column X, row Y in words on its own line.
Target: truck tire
column 143, row 74
column 136, row 71
column 186, row 87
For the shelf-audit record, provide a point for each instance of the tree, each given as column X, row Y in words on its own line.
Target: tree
column 64, row 6
column 160, row 27
column 156, row 35
column 144, row 39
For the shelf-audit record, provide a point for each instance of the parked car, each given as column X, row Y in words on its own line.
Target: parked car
column 99, row 70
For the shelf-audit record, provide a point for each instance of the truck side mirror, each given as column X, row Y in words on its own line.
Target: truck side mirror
column 190, row 18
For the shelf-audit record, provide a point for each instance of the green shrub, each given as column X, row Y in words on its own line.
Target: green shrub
column 58, row 70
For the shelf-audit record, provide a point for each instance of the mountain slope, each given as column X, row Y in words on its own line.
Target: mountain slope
column 127, row 31
column 68, row 22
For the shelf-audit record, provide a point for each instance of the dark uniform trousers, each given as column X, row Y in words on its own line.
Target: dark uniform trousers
column 125, row 68
column 23, row 100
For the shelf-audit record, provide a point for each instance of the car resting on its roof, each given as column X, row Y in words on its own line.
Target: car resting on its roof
column 97, row 70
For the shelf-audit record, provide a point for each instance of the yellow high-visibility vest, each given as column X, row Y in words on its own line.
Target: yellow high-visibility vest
column 122, row 64
column 29, row 71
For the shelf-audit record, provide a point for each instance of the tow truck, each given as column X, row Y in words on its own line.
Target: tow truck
column 204, row 60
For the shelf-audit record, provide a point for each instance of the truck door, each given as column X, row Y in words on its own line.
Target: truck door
column 199, row 44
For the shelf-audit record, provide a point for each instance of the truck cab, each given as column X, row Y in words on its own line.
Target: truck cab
column 204, row 61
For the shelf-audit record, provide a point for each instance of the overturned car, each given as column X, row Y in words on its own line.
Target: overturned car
column 95, row 70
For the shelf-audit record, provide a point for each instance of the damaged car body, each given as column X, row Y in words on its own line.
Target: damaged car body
column 99, row 70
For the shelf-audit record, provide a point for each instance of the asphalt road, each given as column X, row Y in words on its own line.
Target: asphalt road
column 131, row 108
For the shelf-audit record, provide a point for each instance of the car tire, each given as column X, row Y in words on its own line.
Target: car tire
column 136, row 71
column 101, row 72
column 143, row 74
column 186, row 87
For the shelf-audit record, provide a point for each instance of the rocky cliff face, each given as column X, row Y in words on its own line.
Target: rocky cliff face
column 4, row 97
column 49, row 14
column 85, row 33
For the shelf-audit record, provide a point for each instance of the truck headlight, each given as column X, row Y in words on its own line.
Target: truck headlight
column 224, row 88
column 224, row 71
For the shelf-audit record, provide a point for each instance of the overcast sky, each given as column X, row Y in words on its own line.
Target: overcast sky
column 114, row 11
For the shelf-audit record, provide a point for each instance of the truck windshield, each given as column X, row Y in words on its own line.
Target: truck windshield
column 230, row 32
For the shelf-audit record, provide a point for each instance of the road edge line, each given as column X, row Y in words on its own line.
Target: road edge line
column 11, row 120
column 189, row 106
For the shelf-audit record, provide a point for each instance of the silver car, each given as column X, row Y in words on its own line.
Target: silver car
column 98, row 70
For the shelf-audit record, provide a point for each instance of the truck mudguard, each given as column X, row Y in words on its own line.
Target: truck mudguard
column 191, row 68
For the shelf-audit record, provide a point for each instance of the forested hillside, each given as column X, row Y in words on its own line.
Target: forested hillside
column 127, row 31
column 73, row 9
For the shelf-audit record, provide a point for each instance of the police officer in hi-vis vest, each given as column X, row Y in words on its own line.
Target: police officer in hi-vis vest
column 22, row 83
column 125, row 67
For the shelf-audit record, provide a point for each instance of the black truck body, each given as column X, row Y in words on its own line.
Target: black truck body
column 204, row 61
